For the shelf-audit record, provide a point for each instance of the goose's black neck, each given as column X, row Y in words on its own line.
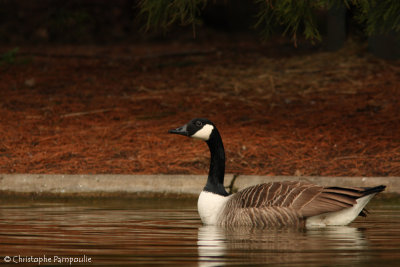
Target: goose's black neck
column 215, row 181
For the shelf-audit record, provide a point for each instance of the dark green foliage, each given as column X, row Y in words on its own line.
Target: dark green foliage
column 8, row 58
column 293, row 16
column 378, row 16
column 162, row 14
column 290, row 14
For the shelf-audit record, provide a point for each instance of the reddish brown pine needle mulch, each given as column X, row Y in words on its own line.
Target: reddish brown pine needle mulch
column 92, row 109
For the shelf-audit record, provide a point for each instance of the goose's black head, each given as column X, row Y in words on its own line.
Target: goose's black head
column 197, row 128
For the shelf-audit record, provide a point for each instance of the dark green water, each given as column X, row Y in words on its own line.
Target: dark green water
column 169, row 232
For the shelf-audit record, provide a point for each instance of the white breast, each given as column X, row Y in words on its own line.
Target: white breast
column 210, row 206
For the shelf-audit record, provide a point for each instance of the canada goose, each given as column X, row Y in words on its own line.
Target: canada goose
column 271, row 204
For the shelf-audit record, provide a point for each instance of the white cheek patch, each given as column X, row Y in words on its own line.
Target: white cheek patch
column 204, row 133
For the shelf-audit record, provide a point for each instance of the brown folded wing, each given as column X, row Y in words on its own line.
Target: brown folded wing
column 287, row 203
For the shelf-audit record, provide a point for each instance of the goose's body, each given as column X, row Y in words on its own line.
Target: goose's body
column 273, row 204
column 284, row 204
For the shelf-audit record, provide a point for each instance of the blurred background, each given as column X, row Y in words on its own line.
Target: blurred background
column 295, row 87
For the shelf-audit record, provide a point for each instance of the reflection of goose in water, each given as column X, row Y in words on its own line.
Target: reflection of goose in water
column 211, row 245
column 219, row 245
column 273, row 204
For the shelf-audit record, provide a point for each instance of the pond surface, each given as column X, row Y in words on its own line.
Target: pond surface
column 169, row 232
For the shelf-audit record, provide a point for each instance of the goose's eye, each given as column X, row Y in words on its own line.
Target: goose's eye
column 199, row 123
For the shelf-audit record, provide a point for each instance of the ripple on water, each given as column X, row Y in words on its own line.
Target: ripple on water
column 159, row 232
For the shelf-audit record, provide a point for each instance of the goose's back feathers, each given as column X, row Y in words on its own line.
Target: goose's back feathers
column 289, row 203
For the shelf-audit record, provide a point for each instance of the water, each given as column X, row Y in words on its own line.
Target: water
column 169, row 232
